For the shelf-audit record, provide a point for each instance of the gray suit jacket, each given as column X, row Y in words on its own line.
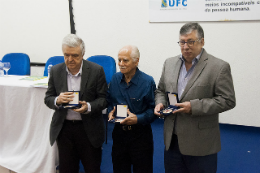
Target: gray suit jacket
column 210, row 91
column 93, row 90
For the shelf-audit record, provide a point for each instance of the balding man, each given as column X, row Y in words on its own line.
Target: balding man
column 132, row 138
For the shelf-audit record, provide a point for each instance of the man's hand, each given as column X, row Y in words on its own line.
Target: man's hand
column 130, row 120
column 158, row 108
column 111, row 114
column 185, row 107
column 83, row 109
column 65, row 97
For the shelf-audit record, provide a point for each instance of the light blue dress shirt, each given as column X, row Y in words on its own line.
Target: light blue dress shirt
column 184, row 75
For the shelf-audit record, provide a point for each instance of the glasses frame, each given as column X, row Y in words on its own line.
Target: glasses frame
column 188, row 43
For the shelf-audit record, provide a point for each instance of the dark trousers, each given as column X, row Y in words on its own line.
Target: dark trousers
column 74, row 145
column 175, row 162
column 132, row 147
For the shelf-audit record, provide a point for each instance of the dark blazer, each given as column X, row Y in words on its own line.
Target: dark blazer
column 210, row 91
column 93, row 90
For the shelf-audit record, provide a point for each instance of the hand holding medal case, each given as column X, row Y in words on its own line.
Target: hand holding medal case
column 75, row 103
column 120, row 113
column 172, row 100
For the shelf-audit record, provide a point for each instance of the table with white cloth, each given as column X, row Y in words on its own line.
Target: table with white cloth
column 24, row 127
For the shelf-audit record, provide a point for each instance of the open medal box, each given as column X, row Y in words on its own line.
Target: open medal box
column 120, row 113
column 74, row 104
column 172, row 100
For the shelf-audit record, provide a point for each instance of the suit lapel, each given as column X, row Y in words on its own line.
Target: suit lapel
column 84, row 77
column 176, row 70
column 197, row 71
column 63, row 79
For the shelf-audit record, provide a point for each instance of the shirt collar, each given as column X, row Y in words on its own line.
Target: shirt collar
column 196, row 59
column 79, row 73
column 134, row 80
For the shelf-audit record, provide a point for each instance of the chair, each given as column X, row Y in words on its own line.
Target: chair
column 53, row 61
column 20, row 63
column 107, row 62
column 109, row 65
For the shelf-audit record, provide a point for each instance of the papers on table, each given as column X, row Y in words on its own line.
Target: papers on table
column 24, row 81
column 37, row 81
column 43, row 83
column 33, row 78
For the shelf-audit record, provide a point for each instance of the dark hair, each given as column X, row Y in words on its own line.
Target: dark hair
column 189, row 27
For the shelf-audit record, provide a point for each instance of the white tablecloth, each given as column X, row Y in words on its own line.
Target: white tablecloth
column 24, row 128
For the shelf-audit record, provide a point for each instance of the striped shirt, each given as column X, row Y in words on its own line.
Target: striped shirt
column 184, row 75
column 73, row 83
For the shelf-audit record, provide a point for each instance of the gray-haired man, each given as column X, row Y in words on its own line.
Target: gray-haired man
column 79, row 132
column 132, row 138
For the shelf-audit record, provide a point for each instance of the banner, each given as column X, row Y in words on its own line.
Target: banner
column 203, row 10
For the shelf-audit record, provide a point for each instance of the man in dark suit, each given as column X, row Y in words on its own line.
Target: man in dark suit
column 205, row 89
column 79, row 132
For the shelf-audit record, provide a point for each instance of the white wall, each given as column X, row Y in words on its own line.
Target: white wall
column 108, row 25
column 34, row 27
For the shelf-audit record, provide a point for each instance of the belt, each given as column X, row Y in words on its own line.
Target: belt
column 73, row 121
column 126, row 127
column 134, row 127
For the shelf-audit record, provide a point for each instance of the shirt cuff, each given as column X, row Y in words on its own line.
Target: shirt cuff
column 89, row 108
column 55, row 101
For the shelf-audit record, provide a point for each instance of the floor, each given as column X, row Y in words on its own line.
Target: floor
column 4, row 170
column 240, row 150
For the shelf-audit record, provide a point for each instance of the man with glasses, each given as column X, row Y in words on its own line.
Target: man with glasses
column 205, row 89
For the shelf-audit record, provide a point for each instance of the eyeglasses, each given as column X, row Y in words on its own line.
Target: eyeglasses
column 189, row 43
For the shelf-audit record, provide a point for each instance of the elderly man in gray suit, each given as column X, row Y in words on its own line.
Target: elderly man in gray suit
column 79, row 132
column 205, row 89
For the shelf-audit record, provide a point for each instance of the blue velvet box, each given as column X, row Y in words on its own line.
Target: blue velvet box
column 120, row 113
column 172, row 100
column 73, row 104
